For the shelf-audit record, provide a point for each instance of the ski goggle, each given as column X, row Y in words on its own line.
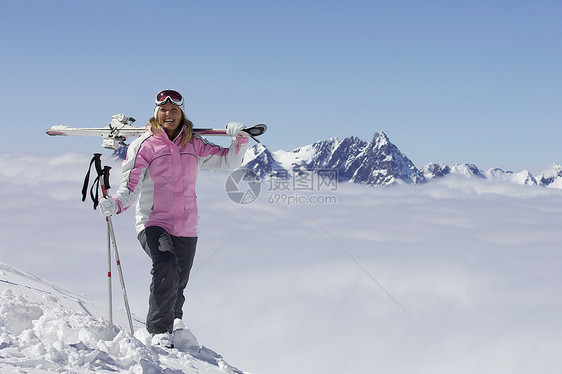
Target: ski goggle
column 173, row 96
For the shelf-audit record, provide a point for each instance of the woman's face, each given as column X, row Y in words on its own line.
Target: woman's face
column 170, row 116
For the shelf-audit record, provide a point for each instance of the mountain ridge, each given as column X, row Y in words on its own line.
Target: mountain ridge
column 376, row 163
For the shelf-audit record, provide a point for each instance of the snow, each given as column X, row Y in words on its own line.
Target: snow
column 46, row 328
column 455, row 275
column 552, row 176
column 557, row 183
column 466, row 170
column 552, row 171
column 288, row 159
column 59, row 127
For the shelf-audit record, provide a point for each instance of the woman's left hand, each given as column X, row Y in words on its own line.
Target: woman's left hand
column 232, row 128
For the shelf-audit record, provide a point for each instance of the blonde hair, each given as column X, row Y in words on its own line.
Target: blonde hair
column 187, row 125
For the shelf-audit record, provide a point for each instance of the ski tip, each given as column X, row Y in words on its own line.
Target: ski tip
column 55, row 133
column 57, row 130
column 256, row 130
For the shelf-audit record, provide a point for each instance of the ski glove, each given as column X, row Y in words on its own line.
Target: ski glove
column 108, row 206
column 232, row 128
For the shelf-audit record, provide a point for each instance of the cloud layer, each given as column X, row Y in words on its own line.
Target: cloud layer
column 452, row 276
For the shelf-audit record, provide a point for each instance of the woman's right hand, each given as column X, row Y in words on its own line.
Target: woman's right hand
column 108, row 206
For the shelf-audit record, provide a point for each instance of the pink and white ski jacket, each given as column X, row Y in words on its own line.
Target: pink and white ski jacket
column 161, row 174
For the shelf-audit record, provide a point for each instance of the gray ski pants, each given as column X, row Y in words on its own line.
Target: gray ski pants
column 172, row 258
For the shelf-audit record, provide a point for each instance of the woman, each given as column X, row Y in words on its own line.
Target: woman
column 160, row 173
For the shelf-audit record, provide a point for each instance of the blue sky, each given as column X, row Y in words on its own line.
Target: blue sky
column 451, row 82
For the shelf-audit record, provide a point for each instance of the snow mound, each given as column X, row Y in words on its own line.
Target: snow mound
column 44, row 328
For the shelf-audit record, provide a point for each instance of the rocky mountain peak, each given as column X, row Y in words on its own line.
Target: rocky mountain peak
column 378, row 162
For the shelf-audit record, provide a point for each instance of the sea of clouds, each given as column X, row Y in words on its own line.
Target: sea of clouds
column 455, row 275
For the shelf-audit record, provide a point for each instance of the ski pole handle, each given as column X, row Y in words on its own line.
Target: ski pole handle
column 102, row 180
column 97, row 163
column 105, row 180
column 103, row 174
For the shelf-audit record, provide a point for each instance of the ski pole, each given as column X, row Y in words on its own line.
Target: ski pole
column 104, row 183
column 122, row 280
column 95, row 186
column 109, row 284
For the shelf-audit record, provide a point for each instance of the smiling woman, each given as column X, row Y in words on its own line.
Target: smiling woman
column 160, row 172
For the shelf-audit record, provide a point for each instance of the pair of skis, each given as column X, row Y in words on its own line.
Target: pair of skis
column 120, row 129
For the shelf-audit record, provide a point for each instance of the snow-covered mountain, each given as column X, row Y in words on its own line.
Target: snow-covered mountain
column 262, row 162
column 376, row 163
column 522, row 177
column 550, row 177
column 44, row 328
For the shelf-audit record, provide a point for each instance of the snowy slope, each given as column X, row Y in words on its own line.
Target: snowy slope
column 46, row 328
